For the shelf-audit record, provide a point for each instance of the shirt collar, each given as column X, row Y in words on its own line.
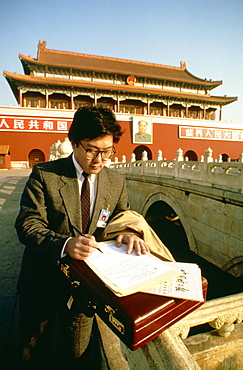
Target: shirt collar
column 79, row 170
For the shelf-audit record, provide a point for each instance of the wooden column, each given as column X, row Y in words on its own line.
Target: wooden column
column 71, row 100
column 168, row 109
column 20, row 98
column 220, row 113
column 148, row 107
column 47, row 99
column 95, row 99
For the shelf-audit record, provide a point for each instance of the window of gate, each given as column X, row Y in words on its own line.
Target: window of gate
column 36, row 156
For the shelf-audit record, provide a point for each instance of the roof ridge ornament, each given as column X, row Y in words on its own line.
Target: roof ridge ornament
column 41, row 45
column 183, row 65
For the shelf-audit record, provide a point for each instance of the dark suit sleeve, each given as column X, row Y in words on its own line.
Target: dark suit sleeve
column 32, row 224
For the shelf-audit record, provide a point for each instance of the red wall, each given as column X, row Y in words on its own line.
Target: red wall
column 21, row 143
column 165, row 138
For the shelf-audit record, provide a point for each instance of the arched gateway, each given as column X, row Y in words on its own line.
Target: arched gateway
column 35, row 156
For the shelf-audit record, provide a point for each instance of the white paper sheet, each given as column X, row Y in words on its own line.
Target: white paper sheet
column 187, row 286
column 126, row 270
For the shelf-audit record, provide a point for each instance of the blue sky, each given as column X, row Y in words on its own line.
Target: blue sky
column 206, row 34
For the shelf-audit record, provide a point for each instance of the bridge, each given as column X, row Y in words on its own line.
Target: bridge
column 172, row 348
column 205, row 197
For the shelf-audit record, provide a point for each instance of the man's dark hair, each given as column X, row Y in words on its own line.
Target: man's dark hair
column 92, row 122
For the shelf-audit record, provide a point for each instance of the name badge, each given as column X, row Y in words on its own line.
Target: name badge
column 103, row 218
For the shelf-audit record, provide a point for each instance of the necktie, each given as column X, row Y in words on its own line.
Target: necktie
column 85, row 203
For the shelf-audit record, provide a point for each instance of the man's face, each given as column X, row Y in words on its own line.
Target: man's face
column 142, row 127
column 92, row 166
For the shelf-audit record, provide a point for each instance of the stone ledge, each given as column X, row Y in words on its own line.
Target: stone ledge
column 212, row 352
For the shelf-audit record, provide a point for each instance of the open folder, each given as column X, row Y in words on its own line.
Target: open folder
column 128, row 273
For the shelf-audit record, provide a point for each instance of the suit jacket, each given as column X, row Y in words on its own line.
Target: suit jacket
column 50, row 205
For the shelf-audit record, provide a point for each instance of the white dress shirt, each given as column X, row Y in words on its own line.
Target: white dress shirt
column 93, row 190
column 92, row 183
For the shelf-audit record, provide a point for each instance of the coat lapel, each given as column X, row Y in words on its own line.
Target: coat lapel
column 69, row 192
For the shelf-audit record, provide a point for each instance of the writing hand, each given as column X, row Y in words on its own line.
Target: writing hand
column 81, row 247
column 133, row 242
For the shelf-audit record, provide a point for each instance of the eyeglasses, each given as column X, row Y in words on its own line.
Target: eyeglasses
column 93, row 153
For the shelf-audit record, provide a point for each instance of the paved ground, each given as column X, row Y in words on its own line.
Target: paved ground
column 11, row 186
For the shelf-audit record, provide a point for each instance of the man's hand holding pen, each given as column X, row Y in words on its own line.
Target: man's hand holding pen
column 81, row 247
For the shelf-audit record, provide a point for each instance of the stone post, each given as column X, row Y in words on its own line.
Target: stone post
column 144, row 156
column 179, row 155
column 159, row 155
column 220, row 160
column 209, row 155
column 179, row 158
column 241, row 158
column 133, row 157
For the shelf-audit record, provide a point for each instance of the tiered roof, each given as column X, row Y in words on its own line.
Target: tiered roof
column 64, row 59
column 69, row 62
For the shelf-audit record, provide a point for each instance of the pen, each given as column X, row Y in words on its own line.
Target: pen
column 82, row 234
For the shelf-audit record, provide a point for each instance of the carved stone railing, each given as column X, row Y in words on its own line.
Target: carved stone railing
column 220, row 313
column 168, row 351
column 208, row 171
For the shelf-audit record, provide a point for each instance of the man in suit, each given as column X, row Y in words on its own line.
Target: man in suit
column 49, row 216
